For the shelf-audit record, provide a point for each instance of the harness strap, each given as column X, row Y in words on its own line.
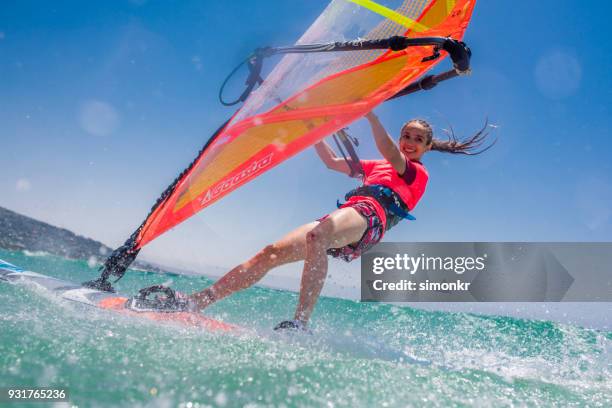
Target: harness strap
column 389, row 199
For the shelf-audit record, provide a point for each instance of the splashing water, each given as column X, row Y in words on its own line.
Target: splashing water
column 361, row 354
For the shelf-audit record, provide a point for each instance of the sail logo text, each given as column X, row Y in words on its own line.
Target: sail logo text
column 231, row 182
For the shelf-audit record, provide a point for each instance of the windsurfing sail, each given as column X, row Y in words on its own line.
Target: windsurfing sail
column 356, row 55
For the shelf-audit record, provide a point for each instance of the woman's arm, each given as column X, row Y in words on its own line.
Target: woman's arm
column 330, row 159
column 386, row 145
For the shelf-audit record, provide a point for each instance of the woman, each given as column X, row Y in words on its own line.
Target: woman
column 391, row 187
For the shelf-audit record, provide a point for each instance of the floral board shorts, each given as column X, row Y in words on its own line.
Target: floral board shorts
column 373, row 234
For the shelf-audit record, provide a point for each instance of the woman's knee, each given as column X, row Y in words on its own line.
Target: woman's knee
column 319, row 235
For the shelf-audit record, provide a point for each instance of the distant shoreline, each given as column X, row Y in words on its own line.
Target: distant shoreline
column 22, row 233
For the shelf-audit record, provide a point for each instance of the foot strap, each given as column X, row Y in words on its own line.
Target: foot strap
column 292, row 325
column 160, row 298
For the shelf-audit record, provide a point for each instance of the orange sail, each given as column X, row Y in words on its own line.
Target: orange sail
column 310, row 96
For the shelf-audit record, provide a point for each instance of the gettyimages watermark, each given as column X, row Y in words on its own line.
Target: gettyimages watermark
column 487, row 272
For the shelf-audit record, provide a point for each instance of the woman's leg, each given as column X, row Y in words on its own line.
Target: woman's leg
column 290, row 248
column 344, row 226
column 309, row 242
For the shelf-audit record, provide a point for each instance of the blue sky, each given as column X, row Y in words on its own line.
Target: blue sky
column 103, row 103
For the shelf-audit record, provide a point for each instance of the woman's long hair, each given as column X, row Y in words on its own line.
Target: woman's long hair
column 470, row 146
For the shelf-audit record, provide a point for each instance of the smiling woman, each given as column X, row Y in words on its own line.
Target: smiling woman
column 391, row 188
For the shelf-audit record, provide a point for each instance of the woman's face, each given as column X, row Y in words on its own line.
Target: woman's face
column 413, row 140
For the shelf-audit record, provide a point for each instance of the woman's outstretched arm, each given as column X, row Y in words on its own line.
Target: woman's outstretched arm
column 330, row 159
column 386, row 145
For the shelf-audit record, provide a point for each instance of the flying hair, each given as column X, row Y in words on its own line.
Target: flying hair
column 469, row 146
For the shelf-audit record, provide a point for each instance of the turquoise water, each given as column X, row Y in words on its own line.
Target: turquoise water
column 361, row 354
